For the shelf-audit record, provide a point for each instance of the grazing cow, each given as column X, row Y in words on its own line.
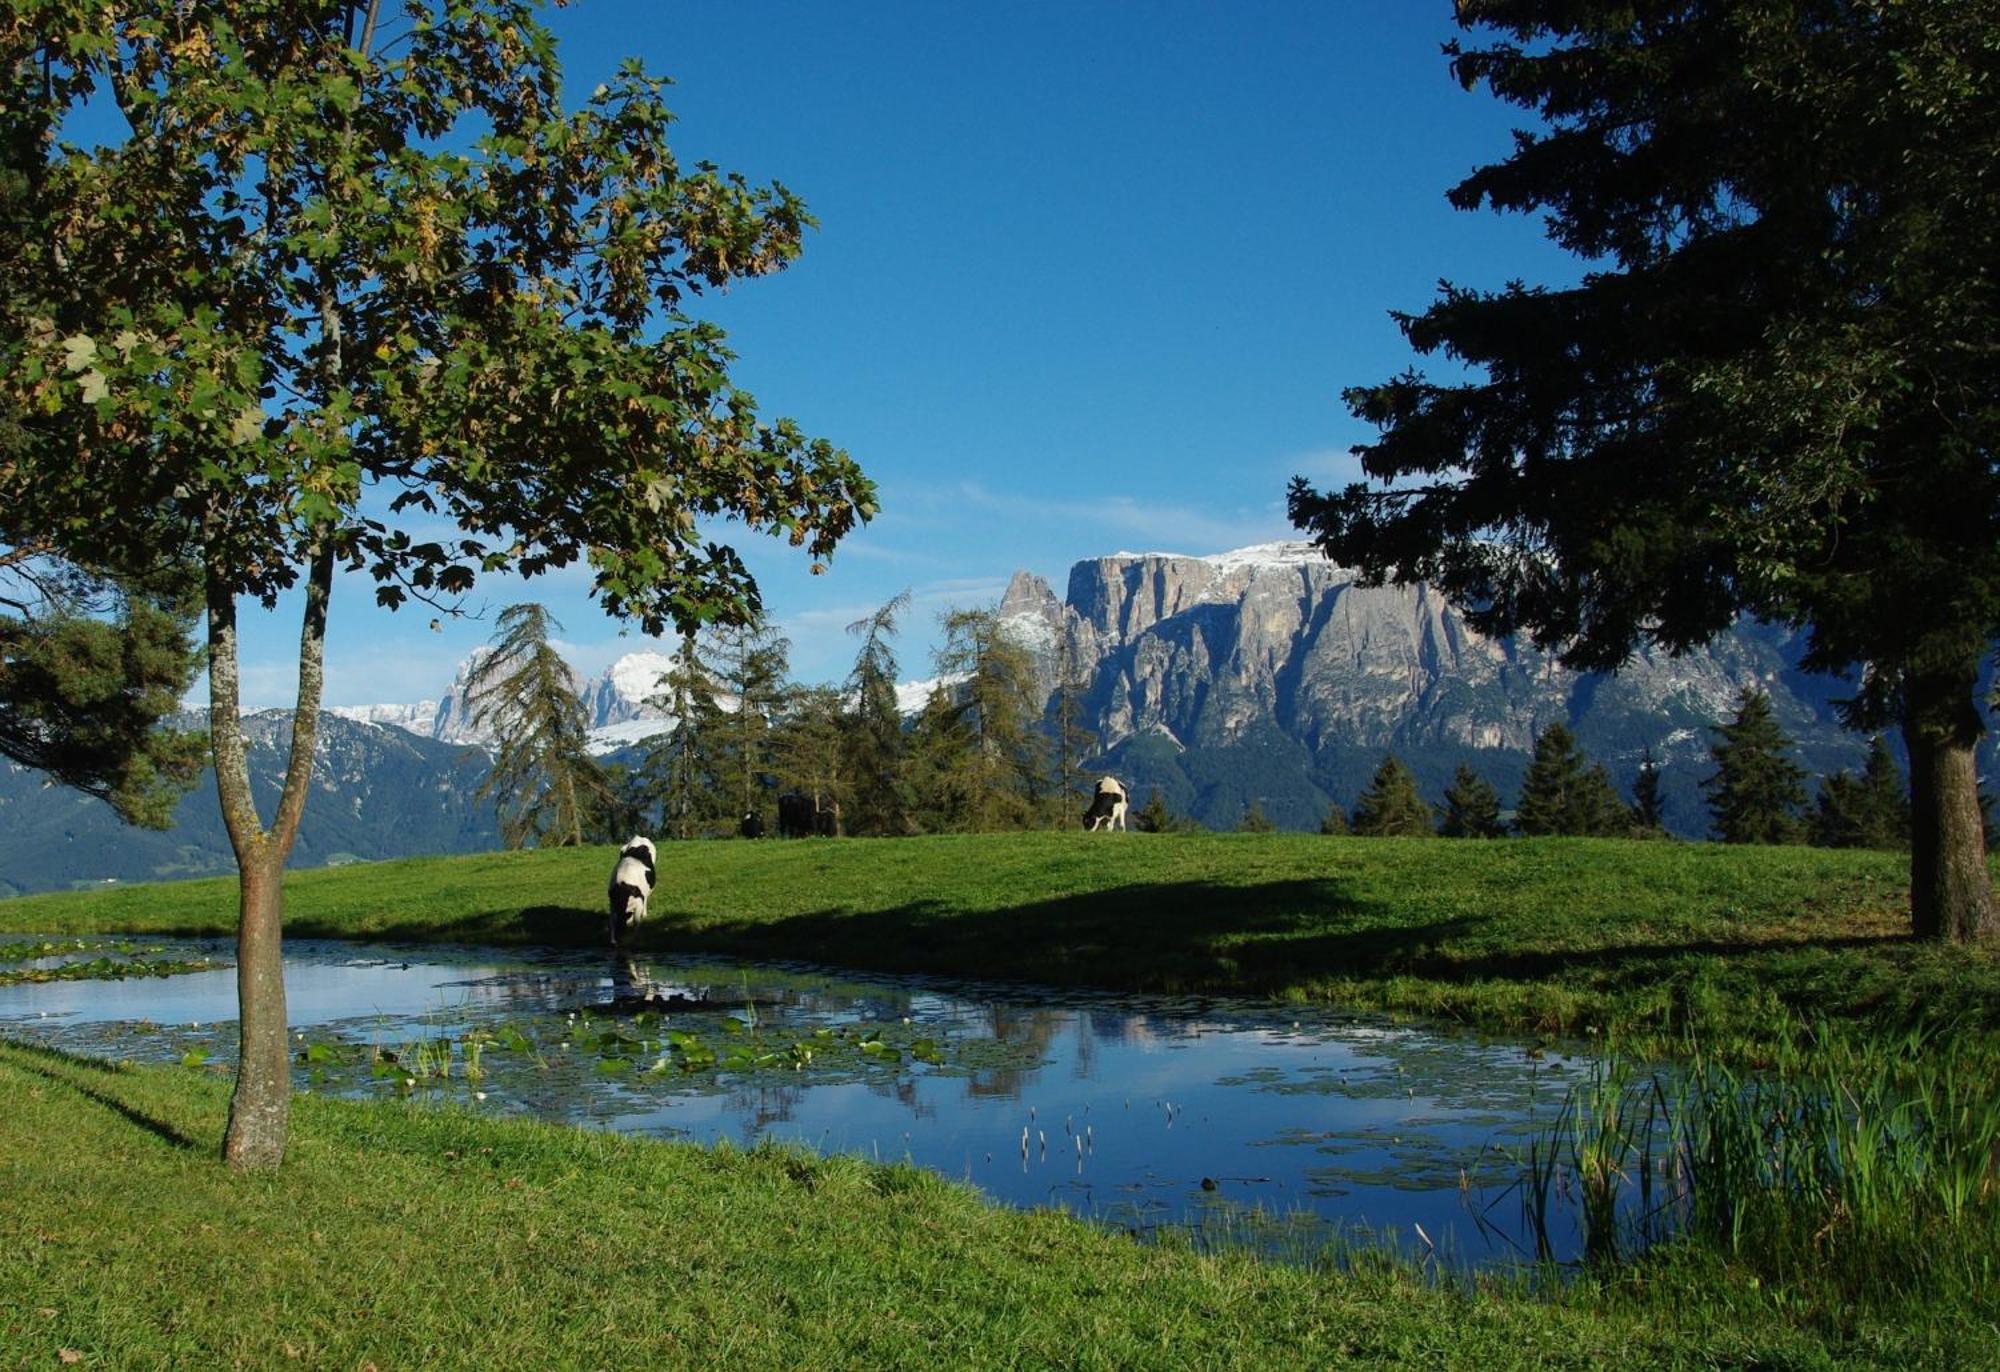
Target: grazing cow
column 631, row 886
column 752, row 825
column 795, row 815
column 1107, row 806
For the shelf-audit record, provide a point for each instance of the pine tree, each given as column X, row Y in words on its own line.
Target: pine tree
column 1471, row 807
column 876, row 746
column 1756, row 792
column 1391, row 807
column 1648, row 815
column 1335, row 823
column 1254, row 820
column 550, row 790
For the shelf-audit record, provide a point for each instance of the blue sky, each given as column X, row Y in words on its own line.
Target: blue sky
column 1090, row 277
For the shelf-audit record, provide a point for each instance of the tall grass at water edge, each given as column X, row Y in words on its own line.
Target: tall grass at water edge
column 1860, row 1169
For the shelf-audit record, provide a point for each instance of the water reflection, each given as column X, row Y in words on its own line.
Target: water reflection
column 1137, row 1110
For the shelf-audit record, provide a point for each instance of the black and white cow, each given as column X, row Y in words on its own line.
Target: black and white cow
column 631, row 886
column 1107, row 806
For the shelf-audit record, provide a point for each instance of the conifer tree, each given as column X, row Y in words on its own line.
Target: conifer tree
column 810, row 750
column 1871, row 811
column 684, row 766
column 1471, row 807
column 876, row 762
column 1154, row 817
column 1563, row 793
column 748, row 663
column 550, row 792
column 1391, row 807
column 1254, row 820
column 1757, row 790
column 992, row 689
column 1334, row 824
column 1769, row 389
column 1071, row 742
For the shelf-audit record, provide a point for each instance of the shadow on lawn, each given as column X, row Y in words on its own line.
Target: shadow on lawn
column 72, row 1071
column 1164, row 936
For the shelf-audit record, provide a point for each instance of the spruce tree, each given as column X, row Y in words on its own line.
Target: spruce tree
column 748, row 663
column 1391, row 807
column 1335, row 823
column 1471, row 807
column 1871, row 811
column 1768, row 390
column 549, row 791
column 684, row 766
column 1757, row 790
column 1254, row 820
column 1563, row 793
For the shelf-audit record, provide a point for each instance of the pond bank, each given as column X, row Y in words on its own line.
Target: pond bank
column 413, row 1237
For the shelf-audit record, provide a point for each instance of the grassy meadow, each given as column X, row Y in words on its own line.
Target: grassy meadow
column 1647, row 943
column 1845, row 1208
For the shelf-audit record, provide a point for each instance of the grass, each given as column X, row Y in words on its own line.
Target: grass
column 1653, row 944
column 402, row 1237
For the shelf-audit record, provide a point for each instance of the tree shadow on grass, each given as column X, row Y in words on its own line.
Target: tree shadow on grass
column 73, row 1071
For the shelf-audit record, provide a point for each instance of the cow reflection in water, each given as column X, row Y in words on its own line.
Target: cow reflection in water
column 635, row 988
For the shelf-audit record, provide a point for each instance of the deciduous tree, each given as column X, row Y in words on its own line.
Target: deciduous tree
column 1771, row 390
column 350, row 287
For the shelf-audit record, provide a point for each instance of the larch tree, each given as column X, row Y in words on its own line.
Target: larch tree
column 1071, row 741
column 1772, row 389
column 549, row 790
column 748, row 663
column 877, row 752
column 347, row 285
column 683, row 767
column 993, row 690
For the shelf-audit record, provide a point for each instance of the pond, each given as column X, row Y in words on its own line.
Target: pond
column 1241, row 1122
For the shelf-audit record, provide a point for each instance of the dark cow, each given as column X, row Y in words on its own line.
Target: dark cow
column 752, row 825
column 631, row 886
column 795, row 815
column 1107, row 806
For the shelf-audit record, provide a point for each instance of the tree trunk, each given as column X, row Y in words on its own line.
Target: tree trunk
column 1951, row 891
column 261, row 1106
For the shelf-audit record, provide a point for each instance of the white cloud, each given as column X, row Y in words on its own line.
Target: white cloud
column 1118, row 519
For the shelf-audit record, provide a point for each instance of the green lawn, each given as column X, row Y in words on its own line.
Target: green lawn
column 403, row 1237
column 1645, row 941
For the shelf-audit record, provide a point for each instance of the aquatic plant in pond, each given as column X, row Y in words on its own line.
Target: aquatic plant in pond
column 39, row 961
column 1873, row 1164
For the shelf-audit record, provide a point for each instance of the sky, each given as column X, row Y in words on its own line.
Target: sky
column 1089, row 277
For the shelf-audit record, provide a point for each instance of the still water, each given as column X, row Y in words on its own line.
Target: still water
column 1280, row 1127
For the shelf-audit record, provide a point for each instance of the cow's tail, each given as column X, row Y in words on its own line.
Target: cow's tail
column 628, row 907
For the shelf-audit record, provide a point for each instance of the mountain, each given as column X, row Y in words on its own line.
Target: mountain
column 613, row 700
column 377, row 792
column 1268, row 674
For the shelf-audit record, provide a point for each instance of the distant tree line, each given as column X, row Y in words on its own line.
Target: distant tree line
column 984, row 753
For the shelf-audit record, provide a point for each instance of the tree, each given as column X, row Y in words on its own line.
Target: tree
column 809, row 748
column 1335, row 822
column 1391, row 807
column 876, row 753
column 993, row 693
column 549, row 789
column 1648, row 811
column 1254, row 820
column 1869, row 811
column 748, row 664
column 1154, row 818
column 684, row 767
column 324, row 294
column 1565, row 793
column 1471, row 807
column 1756, row 792
column 1771, row 391
column 1071, row 743
column 91, row 671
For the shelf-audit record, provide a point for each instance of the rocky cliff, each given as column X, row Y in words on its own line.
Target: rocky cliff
column 1268, row 674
